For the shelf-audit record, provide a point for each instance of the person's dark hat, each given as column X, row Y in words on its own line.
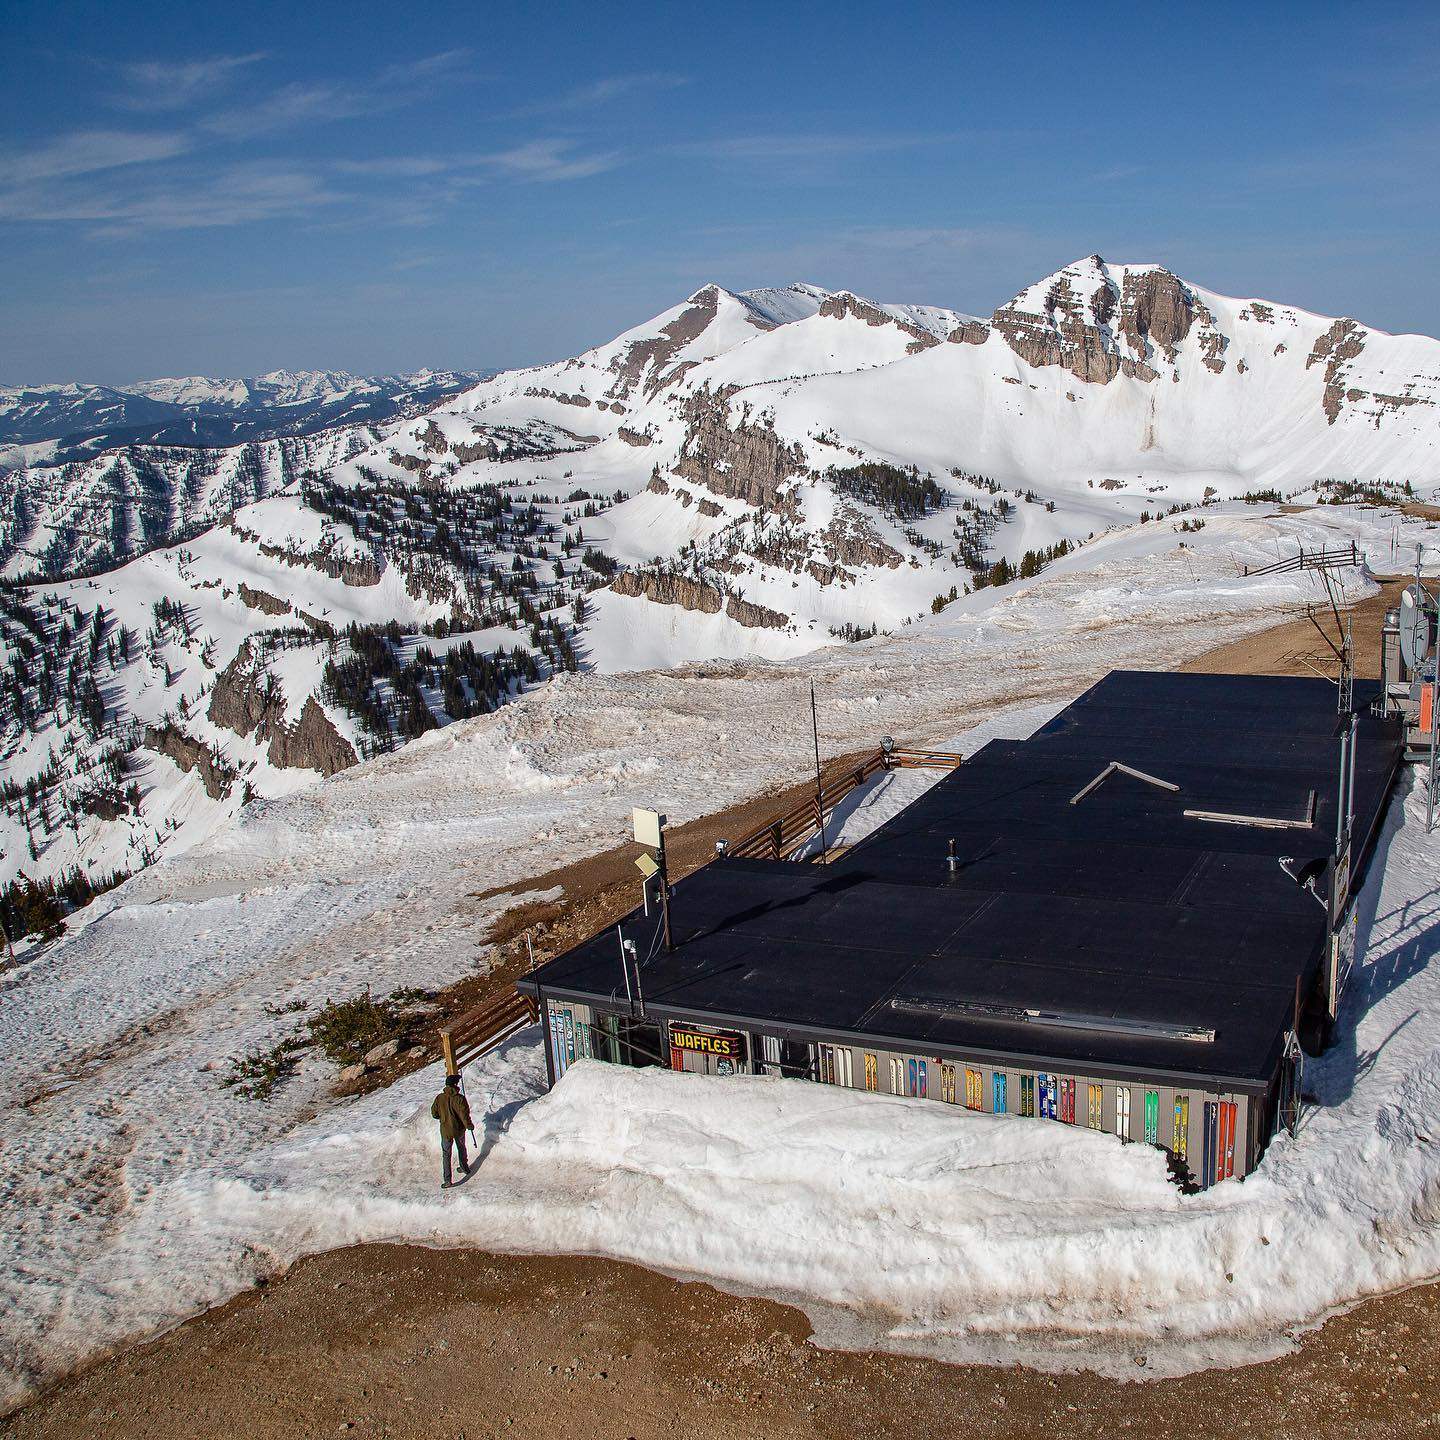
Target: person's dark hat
column 452, row 1079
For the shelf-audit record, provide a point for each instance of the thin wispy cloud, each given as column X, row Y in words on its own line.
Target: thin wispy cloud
column 157, row 85
column 235, row 195
column 770, row 149
column 306, row 102
column 84, row 152
column 444, row 65
column 602, row 91
column 551, row 160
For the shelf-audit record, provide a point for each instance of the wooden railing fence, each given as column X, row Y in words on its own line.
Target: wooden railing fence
column 1321, row 559
column 483, row 1028
column 780, row 838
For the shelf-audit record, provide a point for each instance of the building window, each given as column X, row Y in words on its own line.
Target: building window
column 796, row 1060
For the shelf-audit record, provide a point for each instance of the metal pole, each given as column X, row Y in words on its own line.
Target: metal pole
column 664, row 908
column 546, row 1037
column 819, row 802
column 625, row 970
column 1434, row 744
column 1350, row 805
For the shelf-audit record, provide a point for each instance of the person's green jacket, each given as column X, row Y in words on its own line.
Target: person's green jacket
column 453, row 1113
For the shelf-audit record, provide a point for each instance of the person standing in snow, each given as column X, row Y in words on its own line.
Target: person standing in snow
column 452, row 1110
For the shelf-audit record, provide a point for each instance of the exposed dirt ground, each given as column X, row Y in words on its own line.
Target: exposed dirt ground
column 1297, row 648
column 401, row 1341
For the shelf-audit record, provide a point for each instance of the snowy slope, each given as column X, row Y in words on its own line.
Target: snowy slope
column 64, row 518
column 1099, row 394
column 146, row 705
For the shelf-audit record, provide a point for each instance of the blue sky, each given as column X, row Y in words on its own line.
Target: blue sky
column 232, row 189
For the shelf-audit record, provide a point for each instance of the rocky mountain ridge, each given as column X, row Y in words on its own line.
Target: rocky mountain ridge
column 746, row 474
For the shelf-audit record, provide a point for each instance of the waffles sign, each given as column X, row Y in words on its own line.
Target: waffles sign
column 716, row 1045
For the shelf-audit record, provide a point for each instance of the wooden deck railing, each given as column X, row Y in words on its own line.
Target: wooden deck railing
column 483, row 1028
column 781, row 838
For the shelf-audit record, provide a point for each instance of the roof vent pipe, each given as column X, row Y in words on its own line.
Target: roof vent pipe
column 952, row 860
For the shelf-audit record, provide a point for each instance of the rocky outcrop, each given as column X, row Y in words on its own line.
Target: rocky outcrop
column 263, row 601
column 1155, row 307
column 851, row 539
column 852, row 544
column 969, row 332
column 1342, row 342
column 754, row 617
column 313, row 744
column 658, row 485
column 248, row 699
column 432, row 438
column 352, row 570
column 843, row 303
column 467, row 452
column 581, row 402
column 1212, row 351
column 634, row 437
column 650, row 358
column 192, row 754
column 1085, row 323
column 748, row 461
column 665, row 588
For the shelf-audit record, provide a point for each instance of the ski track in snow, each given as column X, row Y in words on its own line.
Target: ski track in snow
column 137, row 1190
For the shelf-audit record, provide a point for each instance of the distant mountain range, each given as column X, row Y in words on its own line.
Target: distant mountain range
column 56, row 424
column 745, row 474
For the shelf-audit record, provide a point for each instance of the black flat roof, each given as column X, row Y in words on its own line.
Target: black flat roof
column 1120, row 908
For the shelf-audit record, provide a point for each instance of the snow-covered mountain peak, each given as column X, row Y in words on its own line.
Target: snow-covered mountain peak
column 782, row 305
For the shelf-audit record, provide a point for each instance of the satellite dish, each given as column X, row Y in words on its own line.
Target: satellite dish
column 1414, row 627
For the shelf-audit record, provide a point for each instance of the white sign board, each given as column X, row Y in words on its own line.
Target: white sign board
column 648, row 825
